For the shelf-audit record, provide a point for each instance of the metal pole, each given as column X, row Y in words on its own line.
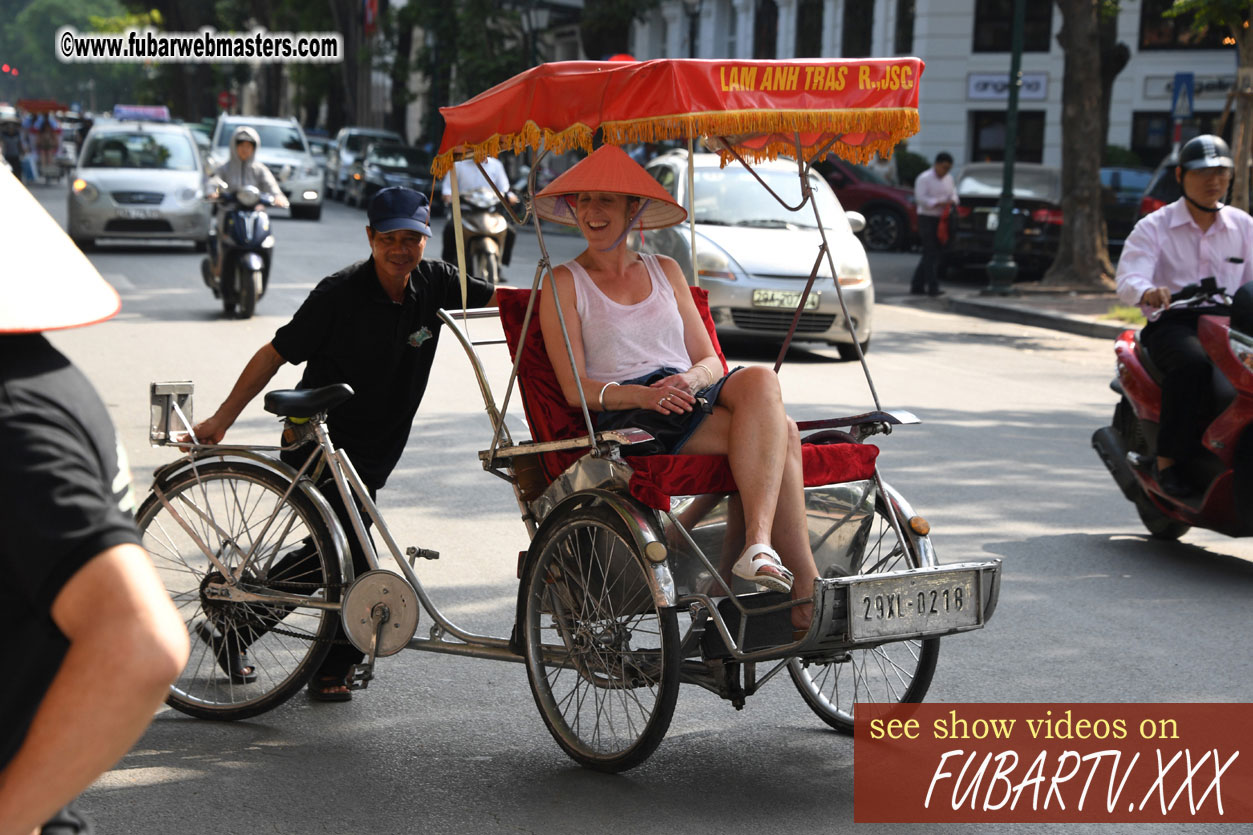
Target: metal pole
column 1002, row 269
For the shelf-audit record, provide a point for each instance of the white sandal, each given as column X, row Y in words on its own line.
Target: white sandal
column 760, row 564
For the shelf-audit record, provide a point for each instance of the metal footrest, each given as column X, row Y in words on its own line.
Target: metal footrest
column 862, row 611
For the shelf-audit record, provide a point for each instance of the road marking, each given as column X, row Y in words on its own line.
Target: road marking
column 119, row 281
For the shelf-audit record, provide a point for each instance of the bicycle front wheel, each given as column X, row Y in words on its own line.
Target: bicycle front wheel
column 897, row 672
column 225, row 521
column 601, row 657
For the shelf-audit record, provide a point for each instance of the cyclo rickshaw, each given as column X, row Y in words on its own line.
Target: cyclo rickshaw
column 624, row 591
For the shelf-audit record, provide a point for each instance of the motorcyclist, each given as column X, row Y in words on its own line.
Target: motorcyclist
column 242, row 169
column 470, row 178
column 1177, row 245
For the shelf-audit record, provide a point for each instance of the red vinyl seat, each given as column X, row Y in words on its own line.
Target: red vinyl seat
column 657, row 477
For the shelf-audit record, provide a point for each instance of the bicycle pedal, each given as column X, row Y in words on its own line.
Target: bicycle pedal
column 413, row 553
column 360, row 676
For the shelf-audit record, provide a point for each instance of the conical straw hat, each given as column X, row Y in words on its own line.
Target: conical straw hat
column 609, row 169
column 46, row 282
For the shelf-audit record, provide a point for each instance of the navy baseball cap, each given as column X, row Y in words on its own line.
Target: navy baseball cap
column 400, row 208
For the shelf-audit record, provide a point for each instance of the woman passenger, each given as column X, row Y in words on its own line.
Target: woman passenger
column 643, row 357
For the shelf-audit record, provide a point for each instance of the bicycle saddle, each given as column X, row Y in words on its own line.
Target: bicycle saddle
column 305, row 403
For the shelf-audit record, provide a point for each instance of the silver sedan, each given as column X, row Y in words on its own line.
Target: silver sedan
column 754, row 256
column 138, row 180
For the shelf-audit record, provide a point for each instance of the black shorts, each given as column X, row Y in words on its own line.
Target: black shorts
column 670, row 431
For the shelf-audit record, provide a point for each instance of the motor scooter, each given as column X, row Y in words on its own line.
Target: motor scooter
column 1224, row 470
column 488, row 238
column 244, row 251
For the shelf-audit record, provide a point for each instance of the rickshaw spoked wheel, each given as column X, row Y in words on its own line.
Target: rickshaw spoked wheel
column 897, row 672
column 601, row 657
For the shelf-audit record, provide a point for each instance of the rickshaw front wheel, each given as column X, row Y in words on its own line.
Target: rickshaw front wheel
column 897, row 672
column 601, row 656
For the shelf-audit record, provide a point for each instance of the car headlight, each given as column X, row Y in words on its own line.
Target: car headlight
column 713, row 262
column 85, row 191
column 190, row 195
column 852, row 275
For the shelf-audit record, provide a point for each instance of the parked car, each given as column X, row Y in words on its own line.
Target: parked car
column 349, row 144
column 387, row 164
column 1121, row 188
column 285, row 151
column 1037, row 206
column 320, row 147
column 1163, row 188
column 139, row 180
column 890, row 213
column 754, row 256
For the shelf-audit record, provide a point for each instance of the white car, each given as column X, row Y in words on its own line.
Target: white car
column 285, row 151
column 138, row 180
column 754, row 256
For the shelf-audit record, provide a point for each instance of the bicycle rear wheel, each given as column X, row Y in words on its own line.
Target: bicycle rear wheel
column 897, row 672
column 602, row 659
column 237, row 511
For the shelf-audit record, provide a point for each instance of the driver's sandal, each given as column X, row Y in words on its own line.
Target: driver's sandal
column 233, row 661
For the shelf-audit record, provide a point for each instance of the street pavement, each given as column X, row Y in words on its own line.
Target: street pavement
column 1092, row 610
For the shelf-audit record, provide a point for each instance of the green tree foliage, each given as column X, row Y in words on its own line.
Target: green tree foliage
column 605, row 28
column 27, row 41
column 1234, row 17
column 471, row 46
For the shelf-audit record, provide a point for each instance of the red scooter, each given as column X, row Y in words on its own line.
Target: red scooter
column 1224, row 470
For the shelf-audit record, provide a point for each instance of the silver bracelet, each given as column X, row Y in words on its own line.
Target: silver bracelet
column 602, row 395
column 708, row 373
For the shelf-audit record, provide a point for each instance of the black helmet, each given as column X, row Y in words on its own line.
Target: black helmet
column 1205, row 151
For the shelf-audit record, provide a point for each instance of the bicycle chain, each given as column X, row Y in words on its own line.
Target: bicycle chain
column 287, row 585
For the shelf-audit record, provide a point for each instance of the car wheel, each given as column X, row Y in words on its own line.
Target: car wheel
column 885, row 230
column 848, row 351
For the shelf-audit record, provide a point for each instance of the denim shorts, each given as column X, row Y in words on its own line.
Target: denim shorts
column 670, row 431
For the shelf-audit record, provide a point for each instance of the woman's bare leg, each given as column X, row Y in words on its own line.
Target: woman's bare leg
column 762, row 445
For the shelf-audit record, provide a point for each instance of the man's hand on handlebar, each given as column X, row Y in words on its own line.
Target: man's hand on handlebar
column 1155, row 297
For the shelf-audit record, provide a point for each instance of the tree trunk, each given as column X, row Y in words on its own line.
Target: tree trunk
column 1082, row 255
column 1115, row 56
column 1241, row 141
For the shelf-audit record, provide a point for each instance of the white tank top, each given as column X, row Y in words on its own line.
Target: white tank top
column 624, row 341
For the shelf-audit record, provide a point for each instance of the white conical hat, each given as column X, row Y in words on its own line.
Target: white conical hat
column 46, row 283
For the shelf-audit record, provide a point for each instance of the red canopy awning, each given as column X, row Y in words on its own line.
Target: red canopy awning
column 758, row 106
column 41, row 105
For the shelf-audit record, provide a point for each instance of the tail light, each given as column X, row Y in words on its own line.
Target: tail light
column 1053, row 216
column 963, row 211
column 1149, row 205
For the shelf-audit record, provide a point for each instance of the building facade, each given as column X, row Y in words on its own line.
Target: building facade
column 965, row 44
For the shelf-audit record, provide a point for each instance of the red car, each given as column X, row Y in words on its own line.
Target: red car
column 891, row 219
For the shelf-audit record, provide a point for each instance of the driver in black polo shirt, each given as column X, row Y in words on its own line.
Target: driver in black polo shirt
column 372, row 325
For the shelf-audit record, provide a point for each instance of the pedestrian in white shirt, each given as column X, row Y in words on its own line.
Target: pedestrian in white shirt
column 933, row 193
column 1193, row 238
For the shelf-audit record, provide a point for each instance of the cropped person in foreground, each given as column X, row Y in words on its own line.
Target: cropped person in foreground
column 92, row 639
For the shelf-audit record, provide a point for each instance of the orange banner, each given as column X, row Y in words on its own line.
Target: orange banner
column 1053, row 763
column 759, row 106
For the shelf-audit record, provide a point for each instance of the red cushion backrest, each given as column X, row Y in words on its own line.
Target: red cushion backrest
column 545, row 406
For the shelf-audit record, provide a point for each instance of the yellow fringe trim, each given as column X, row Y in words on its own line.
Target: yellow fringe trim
column 530, row 136
column 891, row 124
